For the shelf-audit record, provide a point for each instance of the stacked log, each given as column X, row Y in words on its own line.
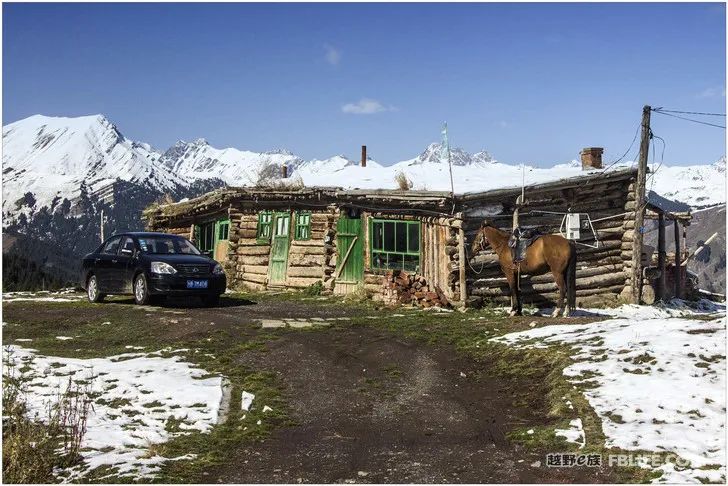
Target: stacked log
column 249, row 257
column 402, row 288
column 602, row 273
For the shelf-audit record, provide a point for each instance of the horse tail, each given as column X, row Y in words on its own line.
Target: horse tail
column 571, row 277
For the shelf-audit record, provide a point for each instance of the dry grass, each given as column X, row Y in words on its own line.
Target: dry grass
column 34, row 446
column 404, row 183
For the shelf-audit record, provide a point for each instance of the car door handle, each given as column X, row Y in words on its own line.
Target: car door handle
column 114, row 261
column 97, row 260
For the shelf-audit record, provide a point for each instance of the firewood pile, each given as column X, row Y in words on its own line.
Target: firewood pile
column 402, row 288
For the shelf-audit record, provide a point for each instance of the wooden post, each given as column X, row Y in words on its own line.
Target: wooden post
column 363, row 155
column 661, row 254
column 102, row 226
column 461, row 251
column 639, row 218
column 678, row 283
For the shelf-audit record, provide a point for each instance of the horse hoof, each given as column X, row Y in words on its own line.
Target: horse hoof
column 512, row 313
column 567, row 312
column 555, row 313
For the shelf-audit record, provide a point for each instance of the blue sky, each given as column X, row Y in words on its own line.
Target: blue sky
column 528, row 82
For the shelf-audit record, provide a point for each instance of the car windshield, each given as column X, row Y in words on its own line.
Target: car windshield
column 167, row 245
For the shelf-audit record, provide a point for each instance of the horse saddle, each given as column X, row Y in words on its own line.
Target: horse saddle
column 519, row 242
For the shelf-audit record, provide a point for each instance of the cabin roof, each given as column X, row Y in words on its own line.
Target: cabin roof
column 442, row 201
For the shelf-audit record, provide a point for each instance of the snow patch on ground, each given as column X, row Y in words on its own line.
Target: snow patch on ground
column 658, row 382
column 64, row 295
column 136, row 395
column 575, row 433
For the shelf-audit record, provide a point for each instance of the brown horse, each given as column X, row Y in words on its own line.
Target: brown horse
column 548, row 253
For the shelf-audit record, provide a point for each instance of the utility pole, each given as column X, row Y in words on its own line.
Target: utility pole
column 639, row 200
column 446, row 149
column 102, row 226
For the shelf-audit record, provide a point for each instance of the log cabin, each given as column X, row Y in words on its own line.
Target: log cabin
column 349, row 240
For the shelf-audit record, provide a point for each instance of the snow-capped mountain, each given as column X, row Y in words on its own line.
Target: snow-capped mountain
column 696, row 185
column 199, row 160
column 434, row 154
column 54, row 157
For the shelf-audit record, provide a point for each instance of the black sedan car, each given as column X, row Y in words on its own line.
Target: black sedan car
column 151, row 266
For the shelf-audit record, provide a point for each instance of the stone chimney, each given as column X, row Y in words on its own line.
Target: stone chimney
column 363, row 155
column 591, row 158
column 284, row 171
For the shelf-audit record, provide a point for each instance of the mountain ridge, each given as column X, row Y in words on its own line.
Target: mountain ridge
column 90, row 152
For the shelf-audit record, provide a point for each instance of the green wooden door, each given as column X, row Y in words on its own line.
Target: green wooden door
column 349, row 245
column 279, row 248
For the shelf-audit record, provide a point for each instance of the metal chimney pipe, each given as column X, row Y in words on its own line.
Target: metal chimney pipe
column 363, row 155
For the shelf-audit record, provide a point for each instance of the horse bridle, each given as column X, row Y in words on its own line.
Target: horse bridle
column 483, row 241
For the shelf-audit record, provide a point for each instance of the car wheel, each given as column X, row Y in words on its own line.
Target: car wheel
column 141, row 291
column 211, row 300
column 92, row 290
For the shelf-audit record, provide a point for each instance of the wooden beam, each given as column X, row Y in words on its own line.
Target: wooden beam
column 678, row 284
column 661, row 254
column 461, row 251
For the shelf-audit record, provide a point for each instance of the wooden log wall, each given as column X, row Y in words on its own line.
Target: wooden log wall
column 309, row 261
column 247, row 262
column 439, row 253
column 603, row 273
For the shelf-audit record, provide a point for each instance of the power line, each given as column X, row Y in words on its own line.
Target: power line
column 689, row 119
column 688, row 112
column 662, row 158
column 637, row 131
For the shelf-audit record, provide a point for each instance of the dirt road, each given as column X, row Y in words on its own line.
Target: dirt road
column 369, row 404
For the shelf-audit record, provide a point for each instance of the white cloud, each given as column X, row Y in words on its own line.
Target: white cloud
column 712, row 92
column 333, row 55
column 366, row 106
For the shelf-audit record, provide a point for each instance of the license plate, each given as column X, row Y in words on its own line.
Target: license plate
column 197, row 284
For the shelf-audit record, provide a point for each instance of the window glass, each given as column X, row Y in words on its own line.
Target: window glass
column 413, row 233
column 411, row 263
column 223, row 231
column 388, row 236
column 395, row 245
column 127, row 247
column 282, row 222
column 401, row 237
column 205, row 236
column 166, row 245
column 303, row 226
column 394, row 261
column 378, row 237
column 112, row 246
column 264, row 226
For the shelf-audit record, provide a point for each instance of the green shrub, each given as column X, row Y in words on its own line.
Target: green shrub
column 314, row 289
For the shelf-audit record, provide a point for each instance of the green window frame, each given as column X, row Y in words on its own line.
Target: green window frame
column 205, row 236
column 303, row 225
column 223, row 230
column 394, row 244
column 210, row 233
column 265, row 223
